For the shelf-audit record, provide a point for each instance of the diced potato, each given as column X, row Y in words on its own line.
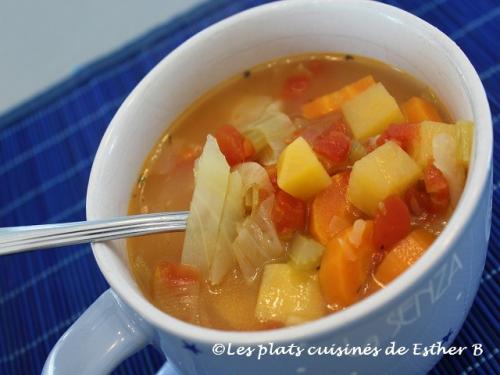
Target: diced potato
column 300, row 173
column 422, row 146
column 403, row 255
column 371, row 112
column 289, row 295
column 465, row 131
column 386, row 171
column 346, row 264
column 306, row 253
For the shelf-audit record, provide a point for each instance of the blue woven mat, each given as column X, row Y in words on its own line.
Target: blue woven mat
column 47, row 146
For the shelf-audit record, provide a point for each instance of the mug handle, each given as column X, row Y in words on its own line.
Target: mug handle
column 106, row 334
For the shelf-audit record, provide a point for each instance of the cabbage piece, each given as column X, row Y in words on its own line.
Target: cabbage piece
column 245, row 248
column 232, row 214
column 269, row 133
column 179, row 297
column 211, row 174
column 257, row 242
column 254, row 179
column 249, row 109
column 262, row 217
column 265, row 125
column 444, row 148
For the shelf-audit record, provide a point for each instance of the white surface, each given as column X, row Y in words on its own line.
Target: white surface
column 419, row 307
column 42, row 42
column 103, row 337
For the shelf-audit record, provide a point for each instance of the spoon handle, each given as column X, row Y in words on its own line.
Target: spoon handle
column 18, row 239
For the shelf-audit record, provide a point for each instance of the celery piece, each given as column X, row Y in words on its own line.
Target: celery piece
column 465, row 135
column 357, row 151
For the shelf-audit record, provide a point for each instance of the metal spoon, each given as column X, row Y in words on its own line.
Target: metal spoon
column 18, row 239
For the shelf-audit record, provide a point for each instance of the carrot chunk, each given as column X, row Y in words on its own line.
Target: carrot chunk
column 331, row 211
column 346, row 265
column 333, row 101
column 403, row 255
column 417, row 110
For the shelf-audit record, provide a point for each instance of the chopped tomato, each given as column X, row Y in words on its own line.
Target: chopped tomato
column 436, row 186
column 288, row 213
column 272, row 171
column 434, row 180
column 333, row 145
column 175, row 274
column 430, row 196
column 235, row 147
column 391, row 223
column 418, row 199
column 296, row 85
column 312, row 132
column 315, row 66
column 340, row 127
column 403, row 134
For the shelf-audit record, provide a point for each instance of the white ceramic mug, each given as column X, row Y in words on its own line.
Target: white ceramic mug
column 428, row 303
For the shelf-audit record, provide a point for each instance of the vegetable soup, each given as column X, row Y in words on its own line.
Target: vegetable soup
column 312, row 181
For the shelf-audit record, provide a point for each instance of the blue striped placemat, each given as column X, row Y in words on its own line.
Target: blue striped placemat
column 46, row 150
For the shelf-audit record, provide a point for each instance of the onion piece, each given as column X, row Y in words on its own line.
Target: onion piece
column 257, row 242
column 444, row 148
column 254, row 179
column 358, row 230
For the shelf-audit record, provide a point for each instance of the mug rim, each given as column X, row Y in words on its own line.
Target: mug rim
column 370, row 305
